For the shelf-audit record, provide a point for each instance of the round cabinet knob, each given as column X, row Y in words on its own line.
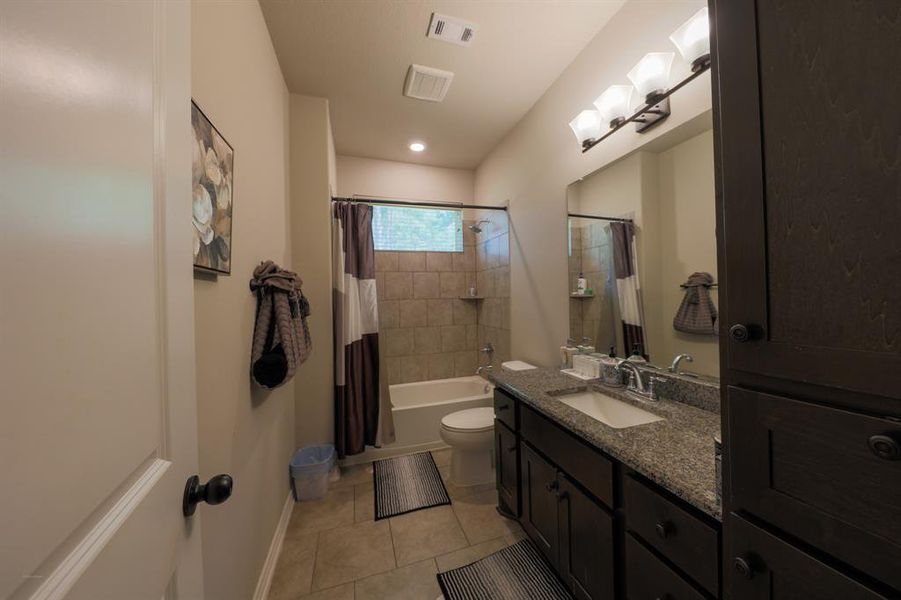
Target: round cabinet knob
column 740, row 333
column 743, row 567
column 884, row 447
column 215, row 491
column 663, row 529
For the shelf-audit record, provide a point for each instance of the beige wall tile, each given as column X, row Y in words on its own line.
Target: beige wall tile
column 452, row 284
column 413, row 313
column 426, row 285
column 472, row 336
column 385, row 261
column 389, row 314
column 464, row 311
column 439, row 261
column 465, row 261
column 398, row 342
column 394, row 365
column 398, row 286
column 426, row 340
column 440, row 312
column 465, row 363
column 414, row 368
column 453, row 338
column 411, row 261
column 441, row 366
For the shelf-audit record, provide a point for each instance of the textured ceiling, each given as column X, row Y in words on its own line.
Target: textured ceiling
column 356, row 54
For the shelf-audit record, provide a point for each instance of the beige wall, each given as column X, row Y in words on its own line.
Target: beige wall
column 368, row 176
column 312, row 178
column 533, row 165
column 242, row 430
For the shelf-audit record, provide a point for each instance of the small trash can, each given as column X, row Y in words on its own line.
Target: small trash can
column 309, row 470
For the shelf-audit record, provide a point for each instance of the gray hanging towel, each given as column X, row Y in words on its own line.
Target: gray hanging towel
column 281, row 337
column 697, row 313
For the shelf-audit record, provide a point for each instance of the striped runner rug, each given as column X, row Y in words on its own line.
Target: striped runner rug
column 407, row 483
column 517, row 572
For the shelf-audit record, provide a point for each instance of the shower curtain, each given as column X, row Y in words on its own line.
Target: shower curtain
column 625, row 263
column 361, row 418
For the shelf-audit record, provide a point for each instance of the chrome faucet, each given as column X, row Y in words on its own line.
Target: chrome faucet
column 484, row 368
column 674, row 368
column 488, row 351
column 636, row 383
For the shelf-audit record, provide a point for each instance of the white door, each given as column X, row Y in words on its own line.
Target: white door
column 98, row 413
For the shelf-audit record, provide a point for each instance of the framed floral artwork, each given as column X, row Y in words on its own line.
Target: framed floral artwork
column 213, row 195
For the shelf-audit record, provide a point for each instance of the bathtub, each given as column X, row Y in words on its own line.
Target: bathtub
column 418, row 408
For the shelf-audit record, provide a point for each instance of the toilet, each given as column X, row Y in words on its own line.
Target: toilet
column 470, row 434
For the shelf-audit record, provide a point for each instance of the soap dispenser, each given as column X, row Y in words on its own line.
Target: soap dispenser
column 581, row 284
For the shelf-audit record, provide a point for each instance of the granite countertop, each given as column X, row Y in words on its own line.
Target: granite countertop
column 676, row 453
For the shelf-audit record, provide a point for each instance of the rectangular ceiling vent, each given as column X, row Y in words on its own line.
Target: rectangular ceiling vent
column 449, row 29
column 427, row 83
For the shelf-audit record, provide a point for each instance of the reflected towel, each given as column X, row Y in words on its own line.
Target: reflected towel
column 697, row 313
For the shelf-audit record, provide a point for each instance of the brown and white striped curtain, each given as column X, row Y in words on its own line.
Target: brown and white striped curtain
column 628, row 290
column 359, row 381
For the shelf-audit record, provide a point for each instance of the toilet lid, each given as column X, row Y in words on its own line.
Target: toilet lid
column 471, row 419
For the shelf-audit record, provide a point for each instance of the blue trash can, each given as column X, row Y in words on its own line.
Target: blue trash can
column 309, row 470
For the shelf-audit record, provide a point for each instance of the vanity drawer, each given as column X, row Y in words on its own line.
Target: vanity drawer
column 588, row 466
column 648, row 578
column 684, row 539
column 505, row 408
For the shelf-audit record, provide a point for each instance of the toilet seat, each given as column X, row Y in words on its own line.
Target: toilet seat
column 469, row 420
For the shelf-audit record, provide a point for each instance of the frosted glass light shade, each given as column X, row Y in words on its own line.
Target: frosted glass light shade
column 651, row 74
column 586, row 126
column 614, row 104
column 693, row 39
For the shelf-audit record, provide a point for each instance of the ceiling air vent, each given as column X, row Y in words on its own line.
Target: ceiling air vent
column 449, row 29
column 426, row 83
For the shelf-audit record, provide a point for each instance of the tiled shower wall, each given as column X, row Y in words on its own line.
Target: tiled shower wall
column 426, row 330
column 592, row 254
column 493, row 285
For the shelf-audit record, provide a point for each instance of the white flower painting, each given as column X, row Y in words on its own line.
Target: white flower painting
column 213, row 194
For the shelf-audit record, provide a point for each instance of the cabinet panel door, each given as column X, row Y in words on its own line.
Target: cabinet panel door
column 506, row 450
column 808, row 177
column 539, row 503
column 586, row 544
column 810, row 471
column 763, row 567
column 649, row 578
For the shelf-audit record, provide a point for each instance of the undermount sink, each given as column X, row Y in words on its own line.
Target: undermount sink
column 609, row 411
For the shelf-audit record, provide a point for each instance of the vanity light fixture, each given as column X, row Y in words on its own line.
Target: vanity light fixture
column 651, row 75
column 587, row 127
column 417, row 146
column 614, row 104
column 693, row 40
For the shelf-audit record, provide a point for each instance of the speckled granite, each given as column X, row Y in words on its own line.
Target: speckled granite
column 677, row 453
column 702, row 392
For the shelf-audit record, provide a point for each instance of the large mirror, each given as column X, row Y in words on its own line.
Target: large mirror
column 642, row 254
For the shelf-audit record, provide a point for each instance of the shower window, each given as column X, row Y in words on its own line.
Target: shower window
column 403, row 228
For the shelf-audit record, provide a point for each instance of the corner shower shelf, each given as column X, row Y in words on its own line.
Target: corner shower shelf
column 581, row 295
column 472, row 297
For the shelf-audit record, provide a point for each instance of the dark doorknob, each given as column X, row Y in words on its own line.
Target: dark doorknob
column 663, row 529
column 885, row 447
column 740, row 333
column 215, row 491
column 743, row 567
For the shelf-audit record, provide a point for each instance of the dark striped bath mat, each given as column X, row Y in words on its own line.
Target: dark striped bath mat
column 407, row 483
column 517, row 572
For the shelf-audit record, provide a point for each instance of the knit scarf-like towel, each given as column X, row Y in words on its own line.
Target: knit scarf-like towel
column 697, row 313
column 281, row 337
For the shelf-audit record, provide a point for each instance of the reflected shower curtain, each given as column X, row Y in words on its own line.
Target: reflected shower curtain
column 359, row 384
column 625, row 264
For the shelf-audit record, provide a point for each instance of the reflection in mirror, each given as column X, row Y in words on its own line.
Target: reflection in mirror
column 653, row 294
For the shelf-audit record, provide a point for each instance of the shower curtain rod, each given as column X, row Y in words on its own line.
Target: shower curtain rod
column 409, row 202
column 618, row 219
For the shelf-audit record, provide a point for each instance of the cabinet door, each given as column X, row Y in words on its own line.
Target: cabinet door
column 808, row 177
column 506, row 450
column 539, row 501
column 586, row 543
column 763, row 567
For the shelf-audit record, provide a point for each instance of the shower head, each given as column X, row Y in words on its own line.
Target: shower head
column 475, row 228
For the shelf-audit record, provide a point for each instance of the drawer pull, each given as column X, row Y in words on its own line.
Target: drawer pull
column 743, row 567
column 503, row 407
column 884, row 447
column 552, row 486
column 663, row 529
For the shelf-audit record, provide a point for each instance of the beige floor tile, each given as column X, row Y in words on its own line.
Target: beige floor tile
column 364, row 503
column 465, row 556
column 341, row 592
column 425, row 534
column 479, row 517
column 457, row 491
column 413, row 582
column 353, row 475
column 336, row 509
column 442, row 457
column 352, row 552
column 294, row 570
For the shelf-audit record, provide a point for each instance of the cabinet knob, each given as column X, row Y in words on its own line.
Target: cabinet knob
column 743, row 567
column 663, row 529
column 552, row 486
column 740, row 333
column 503, row 407
column 885, row 447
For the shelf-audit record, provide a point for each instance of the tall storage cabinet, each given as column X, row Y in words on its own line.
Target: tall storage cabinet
column 808, row 152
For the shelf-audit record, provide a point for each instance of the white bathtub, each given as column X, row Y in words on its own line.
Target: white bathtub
column 418, row 409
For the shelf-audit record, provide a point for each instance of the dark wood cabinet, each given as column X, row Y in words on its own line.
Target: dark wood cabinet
column 586, row 561
column 808, row 183
column 539, row 502
column 767, row 568
column 506, row 448
column 649, row 578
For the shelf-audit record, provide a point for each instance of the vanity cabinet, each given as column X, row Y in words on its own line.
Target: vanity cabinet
column 539, row 502
column 506, row 450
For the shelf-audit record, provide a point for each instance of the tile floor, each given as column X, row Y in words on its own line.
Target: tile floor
column 334, row 550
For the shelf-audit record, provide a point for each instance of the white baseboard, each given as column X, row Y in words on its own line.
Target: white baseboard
column 275, row 548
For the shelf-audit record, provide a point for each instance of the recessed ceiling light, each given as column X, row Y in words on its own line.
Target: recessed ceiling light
column 417, row 146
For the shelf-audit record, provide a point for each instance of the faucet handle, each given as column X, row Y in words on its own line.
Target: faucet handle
column 488, row 349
